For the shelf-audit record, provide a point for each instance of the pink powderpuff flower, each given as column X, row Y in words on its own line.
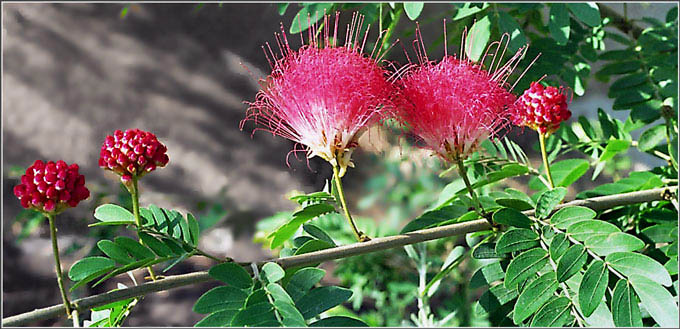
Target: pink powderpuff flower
column 132, row 153
column 323, row 95
column 542, row 108
column 452, row 105
column 51, row 187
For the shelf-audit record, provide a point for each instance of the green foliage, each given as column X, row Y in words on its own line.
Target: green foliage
column 165, row 236
column 267, row 300
column 112, row 314
column 413, row 9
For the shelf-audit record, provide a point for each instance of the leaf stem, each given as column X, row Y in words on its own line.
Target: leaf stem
column 564, row 287
column 361, row 237
column 541, row 139
column 57, row 265
column 138, row 220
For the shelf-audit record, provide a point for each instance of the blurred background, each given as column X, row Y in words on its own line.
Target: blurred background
column 74, row 73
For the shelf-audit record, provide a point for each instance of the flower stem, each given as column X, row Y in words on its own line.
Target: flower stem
column 541, row 139
column 361, row 237
column 138, row 220
column 57, row 265
column 475, row 201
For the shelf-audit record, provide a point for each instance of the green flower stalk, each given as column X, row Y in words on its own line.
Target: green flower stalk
column 542, row 109
column 361, row 237
column 57, row 265
column 51, row 188
column 544, row 155
column 134, row 193
column 132, row 154
column 471, row 191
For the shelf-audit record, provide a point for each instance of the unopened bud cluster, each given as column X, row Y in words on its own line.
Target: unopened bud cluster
column 51, row 187
column 541, row 108
column 132, row 153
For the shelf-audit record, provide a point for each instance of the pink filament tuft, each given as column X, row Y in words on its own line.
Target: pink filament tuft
column 454, row 104
column 323, row 95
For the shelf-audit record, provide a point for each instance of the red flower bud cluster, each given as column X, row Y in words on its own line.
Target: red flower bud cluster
column 51, row 187
column 541, row 108
column 132, row 153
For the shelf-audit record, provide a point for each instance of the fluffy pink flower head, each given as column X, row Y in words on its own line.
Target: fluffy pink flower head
column 323, row 95
column 454, row 104
column 51, row 187
column 542, row 108
column 132, row 153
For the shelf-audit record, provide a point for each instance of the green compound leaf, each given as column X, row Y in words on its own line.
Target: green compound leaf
column 548, row 200
column 558, row 246
column 517, row 204
column 593, row 287
column 290, row 316
column 308, row 15
column 555, row 313
column 113, row 213
column 589, row 228
column 485, row 250
column 160, row 248
column 256, row 315
column 486, row 275
column 586, row 12
column 287, row 230
column 652, row 137
column 256, row 297
column 217, row 319
column 509, row 25
column 525, row 265
column 89, row 266
column 303, row 280
column 537, row 293
column 434, row 217
column 660, row 304
column 134, row 248
column 220, row 299
column 658, row 233
column 571, row 262
column 468, row 9
column 277, row 293
column 566, row 216
column 614, row 147
column 322, row 299
column 477, row 38
column 558, row 23
column 625, row 310
column 516, row 240
column 115, row 252
column 272, row 272
column 413, row 9
column 232, row 274
column 194, row 229
column 629, row 263
column 318, row 233
column 603, row 245
column 566, row 172
column 511, row 217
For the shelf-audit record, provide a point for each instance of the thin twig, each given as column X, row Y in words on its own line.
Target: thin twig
column 377, row 244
